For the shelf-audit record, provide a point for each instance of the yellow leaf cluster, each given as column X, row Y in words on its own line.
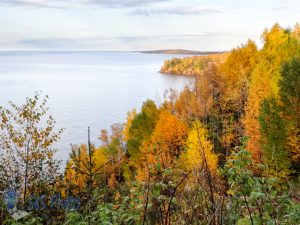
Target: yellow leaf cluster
column 199, row 149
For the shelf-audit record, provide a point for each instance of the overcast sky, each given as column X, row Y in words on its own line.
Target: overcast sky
column 139, row 24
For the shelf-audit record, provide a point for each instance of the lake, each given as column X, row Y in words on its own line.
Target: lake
column 93, row 89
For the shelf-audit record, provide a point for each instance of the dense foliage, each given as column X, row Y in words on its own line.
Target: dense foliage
column 225, row 150
column 194, row 65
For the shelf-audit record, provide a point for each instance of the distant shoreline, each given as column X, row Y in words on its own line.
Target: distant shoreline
column 166, row 51
column 181, row 52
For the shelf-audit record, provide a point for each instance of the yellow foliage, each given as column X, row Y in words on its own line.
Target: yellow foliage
column 239, row 64
column 278, row 47
column 199, row 149
column 296, row 32
column 236, row 71
column 257, row 93
column 194, row 65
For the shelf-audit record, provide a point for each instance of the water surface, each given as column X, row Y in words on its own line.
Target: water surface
column 93, row 89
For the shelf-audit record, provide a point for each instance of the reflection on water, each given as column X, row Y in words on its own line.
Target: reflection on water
column 93, row 89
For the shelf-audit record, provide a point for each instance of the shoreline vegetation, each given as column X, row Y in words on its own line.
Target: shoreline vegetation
column 194, row 65
column 223, row 151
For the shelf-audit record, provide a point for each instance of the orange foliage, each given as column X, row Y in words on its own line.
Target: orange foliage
column 198, row 100
column 169, row 135
column 167, row 141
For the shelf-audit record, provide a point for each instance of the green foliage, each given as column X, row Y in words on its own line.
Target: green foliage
column 124, row 209
column 290, row 88
column 141, row 128
column 294, row 215
column 255, row 199
column 289, row 94
column 25, row 221
column 273, row 137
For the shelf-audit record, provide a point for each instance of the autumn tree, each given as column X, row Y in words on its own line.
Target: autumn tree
column 126, row 126
column 195, row 101
column 140, row 130
column 296, row 32
column 236, row 72
column 169, row 134
column 199, row 151
column 114, row 149
column 279, row 46
column 202, row 162
column 230, row 94
column 166, row 143
column 27, row 138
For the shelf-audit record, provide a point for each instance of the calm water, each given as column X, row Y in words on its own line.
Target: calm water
column 93, row 89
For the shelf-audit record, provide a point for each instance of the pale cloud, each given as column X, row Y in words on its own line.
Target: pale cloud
column 124, row 3
column 71, row 3
column 281, row 8
column 40, row 3
column 175, row 11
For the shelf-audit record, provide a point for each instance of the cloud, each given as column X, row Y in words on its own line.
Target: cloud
column 175, row 11
column 72, row 3
column 24, row 2
column 174, row 36
column 48, row 42
column 40, row 3
column 124, row 3
column 280, row 8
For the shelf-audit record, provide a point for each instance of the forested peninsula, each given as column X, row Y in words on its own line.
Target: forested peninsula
column 193, row 65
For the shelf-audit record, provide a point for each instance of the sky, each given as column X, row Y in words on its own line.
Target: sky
column 133, row 25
